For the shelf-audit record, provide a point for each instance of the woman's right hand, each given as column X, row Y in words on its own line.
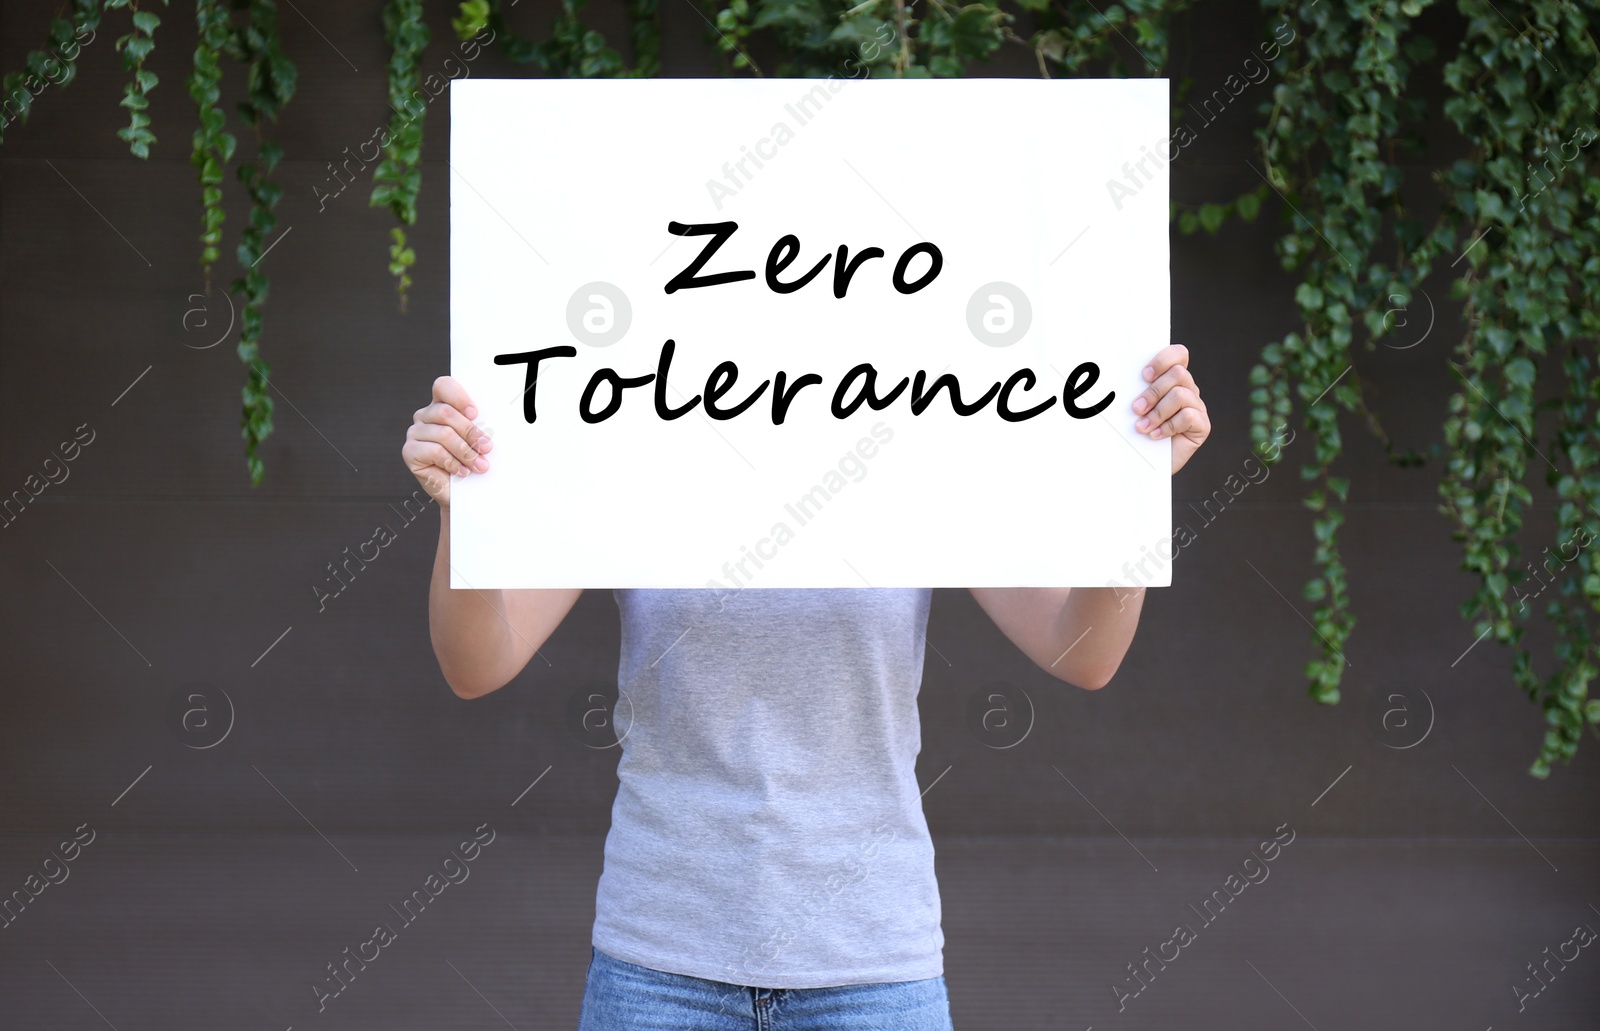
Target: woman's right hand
column 442, row 440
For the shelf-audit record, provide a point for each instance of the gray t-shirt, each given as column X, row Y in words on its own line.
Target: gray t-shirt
column 768, row 826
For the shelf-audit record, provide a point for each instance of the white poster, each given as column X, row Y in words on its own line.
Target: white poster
column 808, row 333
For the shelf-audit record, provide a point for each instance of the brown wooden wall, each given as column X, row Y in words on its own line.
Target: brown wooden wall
column 1420, row 882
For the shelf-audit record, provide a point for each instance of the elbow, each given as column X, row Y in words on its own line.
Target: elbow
column 1088, row 677
column 464, row 685
column 466, row 679
column 1095, row 682
column 463, row 689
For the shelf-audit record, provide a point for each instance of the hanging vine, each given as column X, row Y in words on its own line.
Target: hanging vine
column 55, row 65
column 213, row 144
column 1527, row 213
column 398, row 177
column 270, row 81
column 1337, row 115
column 1075, row 34
column 135, row 47
column 1518, row 231
column 891, row 37
column 573, row 50
column 646, row 37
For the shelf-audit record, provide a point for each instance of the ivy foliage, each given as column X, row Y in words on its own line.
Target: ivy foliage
column 135, row 47
column 1525, row 214
column 1516, row 232
column 1513, row 225
column 55, row 64
column 1337, row 120
column 270, row 83
column 943, row 39
column 572, row 49
column 213, row 143
column 398, row 178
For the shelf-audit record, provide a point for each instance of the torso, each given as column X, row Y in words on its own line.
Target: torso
column 768, row 828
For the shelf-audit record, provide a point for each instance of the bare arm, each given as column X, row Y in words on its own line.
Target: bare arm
column 1076, row 634
column 1081, row 634
column 482, row 638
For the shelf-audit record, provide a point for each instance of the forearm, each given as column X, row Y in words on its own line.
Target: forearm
column 472, row 637
column 1102, row 620
column 1079, row 635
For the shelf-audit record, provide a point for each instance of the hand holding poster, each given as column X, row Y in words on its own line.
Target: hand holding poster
column 790, row 333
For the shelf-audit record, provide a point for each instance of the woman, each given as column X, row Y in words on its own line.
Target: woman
column 768, row 864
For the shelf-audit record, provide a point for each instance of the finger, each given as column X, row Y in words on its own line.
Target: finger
column 1193, row 423
column 1166, row 358
column 446, row 414
column 451, row 442
column 421, row 454
column 450, row 392
column 1175, row 399
column 1176, row 376
column 436, row 482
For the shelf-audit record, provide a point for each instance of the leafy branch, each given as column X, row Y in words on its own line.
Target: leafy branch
column 56, row 65
column 270, row 82
column 213, row 144
column 135, row 47
column 398, row 178
column 1520, row 217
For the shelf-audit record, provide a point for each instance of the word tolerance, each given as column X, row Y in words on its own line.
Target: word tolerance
column 858, row 386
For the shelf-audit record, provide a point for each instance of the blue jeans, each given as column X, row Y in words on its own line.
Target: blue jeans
column 621, row 996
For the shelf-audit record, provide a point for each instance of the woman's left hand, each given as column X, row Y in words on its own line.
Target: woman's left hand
column 1171, row 405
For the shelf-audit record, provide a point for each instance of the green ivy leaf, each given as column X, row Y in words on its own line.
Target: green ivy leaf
column 472, row 20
